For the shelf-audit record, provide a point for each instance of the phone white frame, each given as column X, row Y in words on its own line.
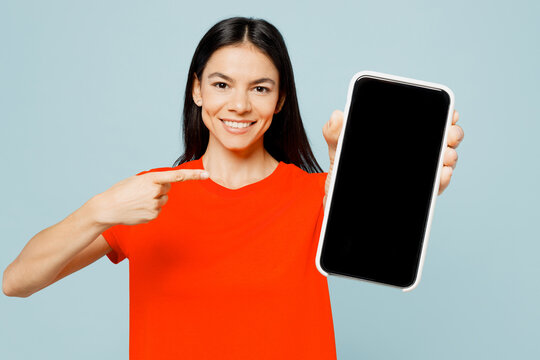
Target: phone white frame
column 404, row 80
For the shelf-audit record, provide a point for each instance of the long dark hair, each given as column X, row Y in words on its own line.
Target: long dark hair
column 285, row 139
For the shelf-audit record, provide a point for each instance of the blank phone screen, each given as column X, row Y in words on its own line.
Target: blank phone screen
column 385, row 179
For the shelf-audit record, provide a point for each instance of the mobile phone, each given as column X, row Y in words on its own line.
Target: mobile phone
column 385, row 179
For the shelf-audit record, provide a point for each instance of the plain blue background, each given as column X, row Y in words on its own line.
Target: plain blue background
column 91, row 93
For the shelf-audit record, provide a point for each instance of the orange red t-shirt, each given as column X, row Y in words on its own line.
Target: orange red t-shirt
column 229, row 274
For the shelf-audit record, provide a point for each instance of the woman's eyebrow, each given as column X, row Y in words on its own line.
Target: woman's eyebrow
column 218, row 74
column 263, row 80
column 227, row 78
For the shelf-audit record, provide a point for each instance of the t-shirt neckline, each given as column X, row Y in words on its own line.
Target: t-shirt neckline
column 266, row 182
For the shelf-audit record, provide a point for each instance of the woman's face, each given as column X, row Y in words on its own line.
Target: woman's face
column 239, row 94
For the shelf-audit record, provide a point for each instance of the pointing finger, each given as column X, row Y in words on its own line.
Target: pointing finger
column 163, row 177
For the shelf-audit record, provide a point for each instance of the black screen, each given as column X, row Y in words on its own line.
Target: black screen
column 384, row 183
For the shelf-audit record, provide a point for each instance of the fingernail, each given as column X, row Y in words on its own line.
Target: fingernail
column 205, row 175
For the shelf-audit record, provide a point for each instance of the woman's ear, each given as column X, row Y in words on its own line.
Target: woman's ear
column 196, row 91
column 280, row 103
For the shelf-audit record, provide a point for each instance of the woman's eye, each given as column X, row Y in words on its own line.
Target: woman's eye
column 220, row 85
column 261, row 89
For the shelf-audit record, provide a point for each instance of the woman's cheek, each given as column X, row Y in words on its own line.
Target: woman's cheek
column 207, row 118
column 267, row 107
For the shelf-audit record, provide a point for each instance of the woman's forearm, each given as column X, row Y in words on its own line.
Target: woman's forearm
column 49, row 251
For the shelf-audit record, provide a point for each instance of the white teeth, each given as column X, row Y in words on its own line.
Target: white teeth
column 237, row 124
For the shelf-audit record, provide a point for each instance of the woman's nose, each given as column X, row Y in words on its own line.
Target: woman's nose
column 240, row 102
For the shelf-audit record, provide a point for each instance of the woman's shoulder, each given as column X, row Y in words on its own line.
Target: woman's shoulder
column 301, row 172
column 305, row 178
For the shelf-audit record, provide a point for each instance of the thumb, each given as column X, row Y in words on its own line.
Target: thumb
column 164, row 177
column 332, row 129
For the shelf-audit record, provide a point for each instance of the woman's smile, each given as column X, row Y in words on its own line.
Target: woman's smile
column 237, row 124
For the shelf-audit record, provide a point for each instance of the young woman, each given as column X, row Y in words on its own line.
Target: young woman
column 223, row 266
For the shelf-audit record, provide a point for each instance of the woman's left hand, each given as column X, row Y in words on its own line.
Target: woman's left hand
column 332, row 129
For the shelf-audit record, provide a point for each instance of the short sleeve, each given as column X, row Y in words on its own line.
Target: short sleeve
column 114, row 237
column 319, row 180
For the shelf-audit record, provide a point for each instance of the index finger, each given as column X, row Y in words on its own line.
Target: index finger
column 164, row 177
column 455, row 117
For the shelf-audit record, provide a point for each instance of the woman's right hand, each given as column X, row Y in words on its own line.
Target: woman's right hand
column 139, row 198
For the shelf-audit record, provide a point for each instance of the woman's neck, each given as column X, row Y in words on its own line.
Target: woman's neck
column 234, row 170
